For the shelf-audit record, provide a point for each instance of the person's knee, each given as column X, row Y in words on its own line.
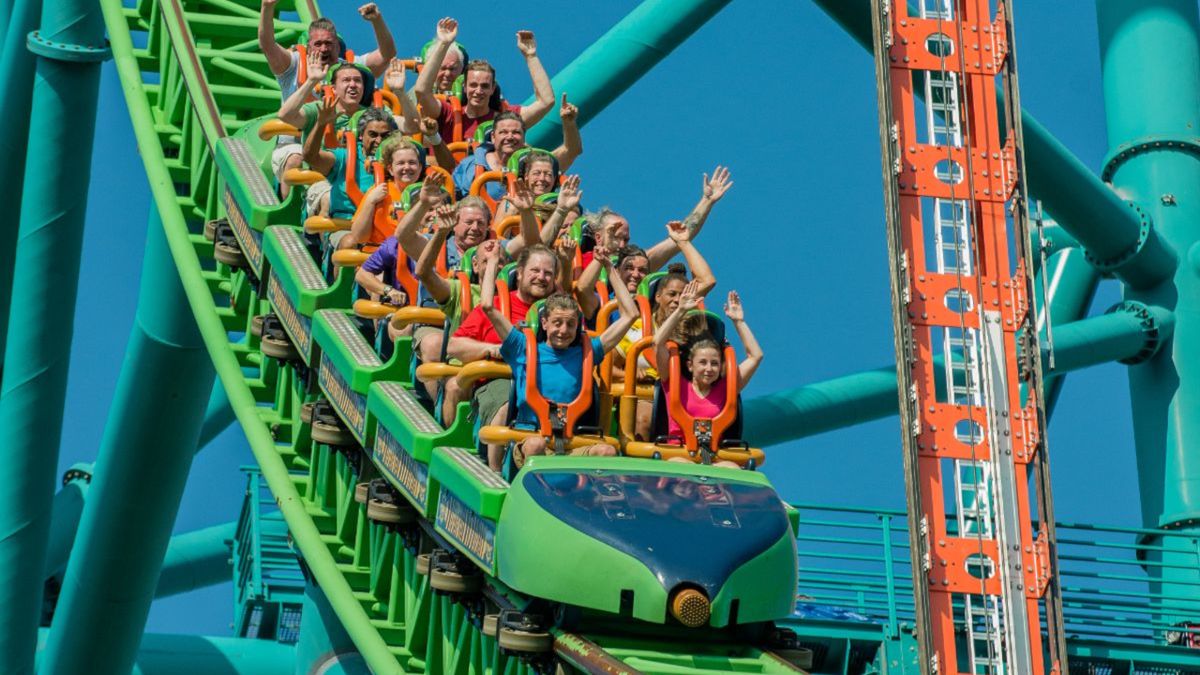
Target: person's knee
column 431, row 348
column 501, row 418
column 727, row 464
column 603, row 450
column 535, row 445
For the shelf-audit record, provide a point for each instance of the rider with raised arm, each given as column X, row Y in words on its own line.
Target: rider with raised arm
column 481, row 100
column 289, row 65
column 374, row 125
column 507, row 137
column 701, row 391
column 612, row 230
column 447, row 292
column 560, row 358
column 476, row 339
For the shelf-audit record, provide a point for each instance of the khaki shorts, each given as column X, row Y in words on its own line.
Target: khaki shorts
column 279, row 157
column 489, row 398
column 312, row 198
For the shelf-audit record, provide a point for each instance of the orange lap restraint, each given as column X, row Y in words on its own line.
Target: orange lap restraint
column 699, row 433
column 556, row 421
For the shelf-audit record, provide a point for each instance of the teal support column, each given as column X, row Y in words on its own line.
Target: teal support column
column 67, row 509
column 1127, row 333
column 621, row 56
column 324, row 646
column 17, row 19
column 164, row 653
column 144, row 459
column 1115, row 233
column 1150, row 63
column 197, row 559
column 1071, row 281
column 45, row 276
column 217, row 417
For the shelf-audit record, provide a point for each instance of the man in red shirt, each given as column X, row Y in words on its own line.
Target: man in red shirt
column 481, row 100
column 476, row 339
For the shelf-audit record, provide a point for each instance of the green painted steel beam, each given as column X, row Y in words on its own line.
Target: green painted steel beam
column 144, row 459
column 303, row 531
column 621, row 56
column 45, row 279
column 1150, row 65
column 1112, row 230
column 197, row 559
column 17, row 19
column 169, row 654
column 862, row 397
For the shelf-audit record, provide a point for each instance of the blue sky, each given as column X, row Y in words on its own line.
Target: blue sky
column 788, row 104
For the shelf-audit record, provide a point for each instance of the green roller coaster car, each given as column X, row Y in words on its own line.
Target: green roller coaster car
column 642, row 532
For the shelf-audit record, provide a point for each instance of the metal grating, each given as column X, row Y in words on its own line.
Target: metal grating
column 346, row 331
column 403, row 399
column 250, row 171
column 298, row 258
column 471, row 462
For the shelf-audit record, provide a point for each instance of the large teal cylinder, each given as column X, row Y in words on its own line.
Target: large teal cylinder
column 1150, row 60
column 143, row 464
column 16, row 71
column 170, row 654
column 621, row 56
column 41, row 323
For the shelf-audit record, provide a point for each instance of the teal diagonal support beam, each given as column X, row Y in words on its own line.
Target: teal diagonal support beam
column 621, row 56
column 217, row 417
column 45, row 278
column 197, row 559
column 64, row 521
column 143, row 464
column 1119, row 236
column 161, row 653
column 1128, row 333
column 17, row 19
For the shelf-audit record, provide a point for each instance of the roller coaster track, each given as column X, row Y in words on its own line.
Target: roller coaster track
column 192, row 78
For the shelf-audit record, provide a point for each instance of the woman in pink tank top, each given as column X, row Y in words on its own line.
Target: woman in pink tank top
column 702, row 389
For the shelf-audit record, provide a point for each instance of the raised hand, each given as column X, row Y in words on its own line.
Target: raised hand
column 429, row 126
column 316, row 67
column 567, row 111
column 395, row 75
column 603, row 255
column 527, row 43
column 521, row 195
column 269, row 4
column 716, row 187
column 678, row 231
column 733, row 307
column 431, row 190
column 447, row 30
column 377, row 194
column 569, row 193
column 690, row 298
column 445, row 217
column 370, row 12
column 326, row 112
column 566, row 249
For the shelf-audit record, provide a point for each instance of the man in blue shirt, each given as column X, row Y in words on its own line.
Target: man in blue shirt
column 560, row 355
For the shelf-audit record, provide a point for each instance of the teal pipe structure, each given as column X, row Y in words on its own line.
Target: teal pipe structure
column 1118, row 237
column 144, row 459
column 324, row 646
column 168, row 654
column 16, row 71
column 621, row 56
column 1071, row 283
column 1150, row 64
column 67, row 509
column 217, row 417
column 862, row 397
column 197, row 559
column 45, row 277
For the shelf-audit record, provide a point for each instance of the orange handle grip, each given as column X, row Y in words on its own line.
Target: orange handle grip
column 424, row 316
column 508, row 226
column 349, row 258
column 482, row 370
column 498, row 434
column 272, row 128
column 427, row 372
column 371, row 309
column 318, row 224
column 302, row 177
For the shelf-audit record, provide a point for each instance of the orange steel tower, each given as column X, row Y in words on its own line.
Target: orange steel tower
column 983, row 553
